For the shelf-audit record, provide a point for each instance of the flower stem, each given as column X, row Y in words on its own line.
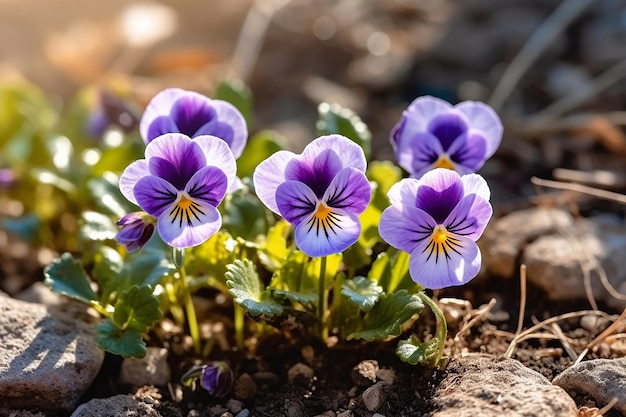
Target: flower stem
column 239, row 326
column 192, row 320
column 322, row 304
column 442, row 327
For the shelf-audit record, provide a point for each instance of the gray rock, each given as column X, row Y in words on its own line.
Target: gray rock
column 364, row 374
column 600, row 379
column 48, row 357
column 485, row 386
column 300, row 374
column 118, row 406
column 375, row 396
column 20, row 413
column 152, row 369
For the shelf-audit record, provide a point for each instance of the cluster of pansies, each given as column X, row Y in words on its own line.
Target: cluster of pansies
column 436, row 215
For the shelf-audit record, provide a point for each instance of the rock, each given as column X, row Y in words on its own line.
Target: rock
column 294, row 408
column 118, row 406
column 387, row 375
column 300, row 374
column 20, row 413
column 152, row 369
column 364, row 374
column 245, row 387
column 42, row 294
column 485, row 386
column 48, row 357
column 375, row 396
column 600, row 379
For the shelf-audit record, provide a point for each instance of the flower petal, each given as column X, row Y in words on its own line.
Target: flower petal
column 316, row 171
column 208, row 185
column 468, row 152
column 218, row 154
column 191, row 111
column 482, row 117
column 415, row 119
column 133, row 173
column 349, row 190
column 188, row 222
column 439, row 266
column 404, row 227
column 470, row 217
column 419, row 154
column 404, row 192
column 175, row 158
column 268, row 175
column 154, row 195
column 439, row 192
column 160, row 126
column 160, row 105
column 295, row 201
column 349, row 153
column 476, row 184
column 229, row 126
column 447, row 127
column 329, row 232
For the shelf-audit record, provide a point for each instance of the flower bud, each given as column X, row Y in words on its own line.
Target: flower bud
column 215, row 377
column 137, row 229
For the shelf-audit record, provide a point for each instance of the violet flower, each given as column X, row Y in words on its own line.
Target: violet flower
column 437, row 219
column 137, row 229
column 179, row 111
column 321, row 192
column 434, row 134
column 181, row 182
column 215, row 377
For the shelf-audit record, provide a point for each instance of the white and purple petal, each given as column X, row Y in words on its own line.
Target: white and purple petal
column 268, row 176
column 133, row 173
column 185, row 225
column 482, row 117
column 404, row 192
column 208, row 185
column 447, row 127
column 349, row 190
column 159, row 107
column 175, row 158
column 404, row 226
column 419, row 154
column 415, row 119
column 350, row 154
column 327, row 234
column 476, row 184
column 470, row 217
column 229, row 125
column 439, row 192
column 453, row 263
column 218, row 154
column 191, row 111
column 296, row 201
column 468, row 152
column 155, row 195
column 315, row 170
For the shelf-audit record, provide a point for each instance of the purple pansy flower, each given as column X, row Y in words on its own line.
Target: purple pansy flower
column 321, row 192
column 181, row 182
column 179, row 111
column 434, row 134
column 437, row 219
column 137, row 229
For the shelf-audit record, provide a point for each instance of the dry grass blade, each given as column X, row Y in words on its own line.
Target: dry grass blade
column 522, row 310
column 602, row 336
column 579, row 188
column 477, row 316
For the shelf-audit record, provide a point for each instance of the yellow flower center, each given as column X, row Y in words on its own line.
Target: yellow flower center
column 184, row 202
column 440, row 234
column 322, row 212
column 185, row 211
column 444, row 162
column 325, row 220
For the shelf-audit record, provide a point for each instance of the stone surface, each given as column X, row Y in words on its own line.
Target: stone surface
column 152, row 369
column 375, row 396
column 300, row 374
column 558, row 251
column 20, row 413
column 485, row 386
column 599, row 379
column 364, row 374
column 245, row 387
column 118, row 406
column 48, row 357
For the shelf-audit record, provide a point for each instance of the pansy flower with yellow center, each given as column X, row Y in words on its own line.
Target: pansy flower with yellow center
column 434, row 134
column 180, row 183
column 321, row 192
column 437, row 220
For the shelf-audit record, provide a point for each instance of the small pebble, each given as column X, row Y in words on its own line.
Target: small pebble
column 364, row 374
column 300, row 374
column 245, row 387
column 375, row 396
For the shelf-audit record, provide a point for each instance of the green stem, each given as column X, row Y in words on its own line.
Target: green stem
column 442, row 327
column 239, row 326
column 192, row 320
column 322, row 304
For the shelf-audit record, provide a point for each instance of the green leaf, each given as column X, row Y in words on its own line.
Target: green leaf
column 97, row 226
column 260, row 146
column 67, row 276
column 137, row 309
column 332, row 118
column 127, row 343
column 212, row 257
column 293, row 282
column 414, row 352
column 238, row 94
column 246, row 288
column 361, row 292
column 108, row 264
column 26, row 227
column 45, row 176
column 105, row 192
column 244, row 215
column 274, row 250
column 385, row 319
column 391, row 271
column 145, row 267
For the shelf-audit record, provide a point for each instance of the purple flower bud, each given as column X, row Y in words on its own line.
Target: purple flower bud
column 217, row 378
column 137, row 229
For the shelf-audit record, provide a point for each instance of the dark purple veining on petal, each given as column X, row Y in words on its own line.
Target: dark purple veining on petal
column 424, row 154
column 190, row 113
column 447, row 127
column 179, row 169
column 471, row 151
column 317, row 173
column 439, row 204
